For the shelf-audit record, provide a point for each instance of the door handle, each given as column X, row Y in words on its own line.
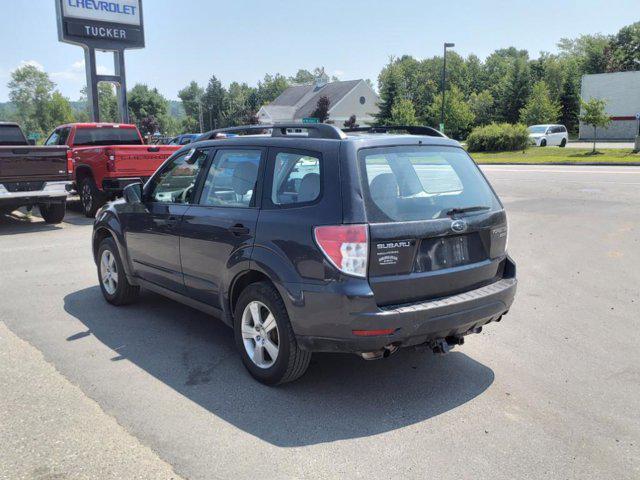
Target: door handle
column 172, row 221
column 239, row 229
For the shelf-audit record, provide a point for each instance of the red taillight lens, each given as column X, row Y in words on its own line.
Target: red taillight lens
column 345, row 246
column 69, row 162
column 373, row 333
column 111, row 161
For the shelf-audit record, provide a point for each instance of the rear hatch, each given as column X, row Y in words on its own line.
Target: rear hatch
column 436, row 227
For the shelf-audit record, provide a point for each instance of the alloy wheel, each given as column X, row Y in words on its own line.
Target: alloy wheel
column 109, row 272
column 87, row 197
column 260, row 334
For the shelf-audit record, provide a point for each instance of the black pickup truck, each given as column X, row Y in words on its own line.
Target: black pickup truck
column 31, row 175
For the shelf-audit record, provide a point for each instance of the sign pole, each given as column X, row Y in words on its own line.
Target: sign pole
column 121, row 86
column 92, row 84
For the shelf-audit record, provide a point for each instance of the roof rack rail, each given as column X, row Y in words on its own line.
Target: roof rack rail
column 410, row 129
column 314, row 130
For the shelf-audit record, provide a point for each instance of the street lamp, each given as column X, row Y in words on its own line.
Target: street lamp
column 444, row 79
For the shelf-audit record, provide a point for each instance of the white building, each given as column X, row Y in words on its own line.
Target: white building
column 621, row 90
column 354, row 97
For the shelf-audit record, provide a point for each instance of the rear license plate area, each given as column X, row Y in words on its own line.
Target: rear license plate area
column 449, row 252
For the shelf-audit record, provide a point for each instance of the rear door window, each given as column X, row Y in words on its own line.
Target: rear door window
column 296, row 178
column 412, row 183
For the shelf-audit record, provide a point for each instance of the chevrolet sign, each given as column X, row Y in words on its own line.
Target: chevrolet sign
column 101, row 24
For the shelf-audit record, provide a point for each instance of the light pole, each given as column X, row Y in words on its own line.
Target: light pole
column 444, row 80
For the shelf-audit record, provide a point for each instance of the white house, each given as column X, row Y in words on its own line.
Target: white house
column 353, row 97
column 621, row 90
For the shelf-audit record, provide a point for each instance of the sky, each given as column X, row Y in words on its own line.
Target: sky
column 241, row 40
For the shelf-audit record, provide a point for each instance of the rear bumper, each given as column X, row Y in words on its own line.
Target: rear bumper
column 412, row 324
column 51, row 192
column 116, row 185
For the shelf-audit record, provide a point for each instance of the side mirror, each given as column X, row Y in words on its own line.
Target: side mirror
column 132, row 193
column 31, row 141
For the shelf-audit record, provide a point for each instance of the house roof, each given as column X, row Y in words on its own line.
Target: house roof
column 304, row 98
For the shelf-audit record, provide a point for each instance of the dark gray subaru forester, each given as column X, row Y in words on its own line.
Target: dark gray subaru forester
column 306, row 239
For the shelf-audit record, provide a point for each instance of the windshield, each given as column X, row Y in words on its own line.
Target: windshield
column 106, row 136
column 11, row 135
column 410, row 183
column 537, row 129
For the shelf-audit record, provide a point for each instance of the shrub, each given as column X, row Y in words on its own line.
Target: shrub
column 498, row 137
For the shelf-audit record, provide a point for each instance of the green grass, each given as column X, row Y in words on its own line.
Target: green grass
column 558, row 155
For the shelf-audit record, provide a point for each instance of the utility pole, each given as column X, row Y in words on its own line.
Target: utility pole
column 444, row 81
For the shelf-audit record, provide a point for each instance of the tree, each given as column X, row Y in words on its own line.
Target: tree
column 239, row 110
column 214, row 104
column 59, row 110
column 351, row 122
column 107, row 102
column 625, row 49
column 514, row 90
column 457, row 113
column 322, row 109
column 482, row 107
column 191, row 97
column 270, row 88
column 570, row 97
column 148, row 109
column 30, row 90
column 594, row 114
column 403, row 113
column 392, row 90
column 592, row 51
column 540, row 108
column 302, row 77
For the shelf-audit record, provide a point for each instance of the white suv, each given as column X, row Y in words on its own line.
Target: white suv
column 548, row 135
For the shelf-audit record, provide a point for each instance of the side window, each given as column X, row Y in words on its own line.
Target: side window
column 53, row 138
column 232, row 179
column 185, row 140
column 176, row 183
column 64, row 134
column 296, row 178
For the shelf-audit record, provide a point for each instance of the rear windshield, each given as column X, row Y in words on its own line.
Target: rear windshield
column 412, row 183
column 106, row 136
column 11, row 135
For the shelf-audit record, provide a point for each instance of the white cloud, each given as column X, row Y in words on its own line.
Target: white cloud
column 33, row 63
column 76, row 73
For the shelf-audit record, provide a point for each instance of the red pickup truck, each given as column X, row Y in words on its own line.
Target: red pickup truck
column 105, row 157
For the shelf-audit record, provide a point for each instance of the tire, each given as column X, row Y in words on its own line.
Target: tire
column 90, row 197
column 563, row 143
column 291, row 362
column 116, row 289
column 54, row 212
column 543, row 142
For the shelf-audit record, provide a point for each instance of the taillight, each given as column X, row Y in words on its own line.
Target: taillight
column 111, row 161
column 345, row 246
column 69, row 162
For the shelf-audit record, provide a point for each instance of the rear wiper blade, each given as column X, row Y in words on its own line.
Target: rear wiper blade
column 455, row 211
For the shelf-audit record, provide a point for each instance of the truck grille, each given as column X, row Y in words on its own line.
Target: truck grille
column 14, row 187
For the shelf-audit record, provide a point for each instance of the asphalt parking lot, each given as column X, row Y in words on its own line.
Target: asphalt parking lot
column 553, row 391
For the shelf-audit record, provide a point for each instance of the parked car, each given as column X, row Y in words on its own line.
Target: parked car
column 183, row 139
column 105, row 157
column 548, row 135
column 319, row 243
column 32, row 176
